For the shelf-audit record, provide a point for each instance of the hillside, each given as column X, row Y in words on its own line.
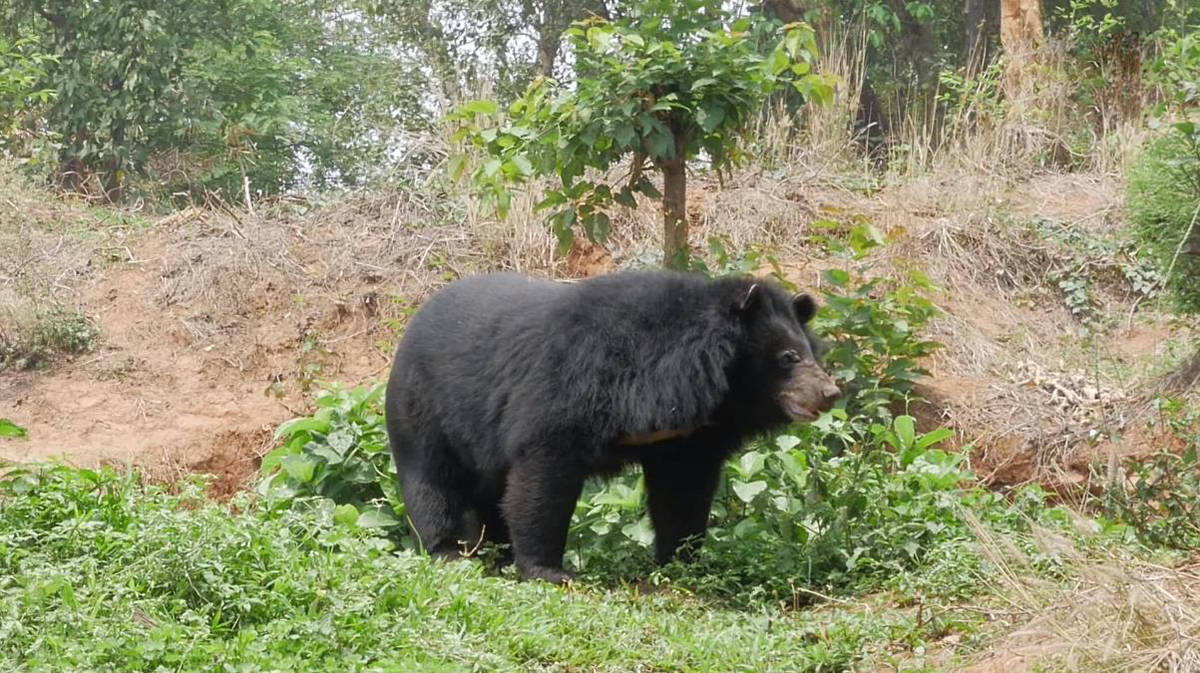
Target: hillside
column 214, row 323
column 199, row 332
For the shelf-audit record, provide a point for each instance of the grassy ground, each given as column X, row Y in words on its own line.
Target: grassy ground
column 99, row 573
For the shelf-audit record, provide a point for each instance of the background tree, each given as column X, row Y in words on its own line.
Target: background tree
column 221, row 94
column 116, row 67
column 1020, row 35
column 660, row 86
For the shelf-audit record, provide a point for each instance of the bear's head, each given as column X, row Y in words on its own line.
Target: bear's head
column 779, row 377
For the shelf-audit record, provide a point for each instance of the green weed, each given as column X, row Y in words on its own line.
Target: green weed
column 99, row 573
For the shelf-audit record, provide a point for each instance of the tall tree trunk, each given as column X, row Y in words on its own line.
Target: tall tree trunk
column 675, row 224
column 547, row 51
column 976, row 33
column 1020, row 35
column 551, row 19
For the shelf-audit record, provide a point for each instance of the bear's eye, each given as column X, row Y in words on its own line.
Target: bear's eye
column 789, row 357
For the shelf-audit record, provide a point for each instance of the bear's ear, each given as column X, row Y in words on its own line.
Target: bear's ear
column 805, row 307
column 749, row 298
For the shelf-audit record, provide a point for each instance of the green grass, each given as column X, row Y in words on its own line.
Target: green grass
column 98, row 573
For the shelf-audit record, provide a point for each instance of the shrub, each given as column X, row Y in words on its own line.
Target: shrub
column 1164, row 199
column 34, row 341
column 1160, row 496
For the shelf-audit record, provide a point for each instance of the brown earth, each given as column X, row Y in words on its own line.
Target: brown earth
column 215, row 325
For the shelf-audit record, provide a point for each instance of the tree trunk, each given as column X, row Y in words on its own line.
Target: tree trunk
column 550, row 19
column 1020, row 35
column 675, row 225
column 977, row 34
column 918, row 44
column 547, row 51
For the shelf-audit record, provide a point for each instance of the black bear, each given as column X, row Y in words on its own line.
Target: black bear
column 508, row 392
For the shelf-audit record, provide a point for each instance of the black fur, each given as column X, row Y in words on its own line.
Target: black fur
column 508, row 392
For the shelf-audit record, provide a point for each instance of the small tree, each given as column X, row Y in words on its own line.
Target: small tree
column 661, row 86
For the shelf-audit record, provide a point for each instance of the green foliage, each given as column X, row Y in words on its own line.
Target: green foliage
column 210, row 95
column 1160, row 496
column 651, row 87
column 291, row 84
column 1176, row 70
column 113, row 77
column 22, row 67
column 10, row 429
column 341, row 453
column 792, row 512
column 99, row 573
column 875, row 328
column 1089, row 260
column 54, row 331
column 1164, row 201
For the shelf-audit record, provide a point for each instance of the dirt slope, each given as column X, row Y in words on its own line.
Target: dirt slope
column 214, row 324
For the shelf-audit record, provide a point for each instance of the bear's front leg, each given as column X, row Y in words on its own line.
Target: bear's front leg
column 539, row 498
column 680, row 487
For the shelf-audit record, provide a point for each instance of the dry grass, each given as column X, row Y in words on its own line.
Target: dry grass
column 819, row 139
column 48, row 249
column 1114, row 613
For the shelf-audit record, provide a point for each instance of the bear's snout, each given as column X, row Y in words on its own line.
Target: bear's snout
column 808, row 392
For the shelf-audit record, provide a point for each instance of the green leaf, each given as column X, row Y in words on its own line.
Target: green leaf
column 345, row 515
column 273, row 458
column 10, row 429
column 552, row 199
column 646, row 187
column 482, row 107
column 710, row 117
column 299, row 468
column 933, row 437
column 562, row 223
column 641, row 532
column 661, row 145
column 523, row 164
column 747, row 490
column 787, row 442
column 838, row 277
column 625, row 135
column 376, row 518
column 340, row 440
column 324, row 452
column 458, row 166
column 298, row 425
column 751, row 463
column 597, row 226
column 625, row 198
column 905, row 431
